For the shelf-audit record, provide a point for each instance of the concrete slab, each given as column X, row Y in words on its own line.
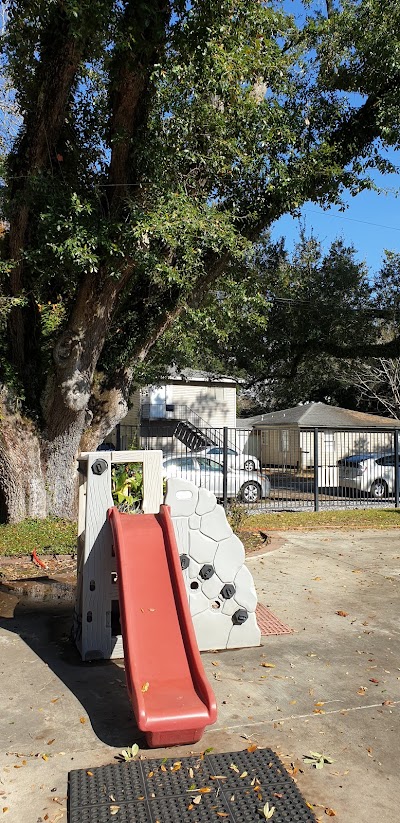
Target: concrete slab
column 333, row 686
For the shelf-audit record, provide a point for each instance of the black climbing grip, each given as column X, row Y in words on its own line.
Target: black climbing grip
column 228, row 591
column 99, row 466
column 207, row 571
column 239, row 617
column 185, row 561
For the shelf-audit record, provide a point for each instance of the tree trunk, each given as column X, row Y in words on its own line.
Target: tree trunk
column 22, row 482
column 39, row 470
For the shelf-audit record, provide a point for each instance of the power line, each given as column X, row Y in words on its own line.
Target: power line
column 354, row 220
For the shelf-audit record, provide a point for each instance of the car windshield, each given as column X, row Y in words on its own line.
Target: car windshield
column 209, row 465
column 185, row 463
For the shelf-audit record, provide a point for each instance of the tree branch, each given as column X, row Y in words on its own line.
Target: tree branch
column 130, row 72
column 59, row 61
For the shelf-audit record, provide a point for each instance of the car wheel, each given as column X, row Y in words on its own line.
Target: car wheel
column 249, row 465
column 379, row 489
column 250, row 492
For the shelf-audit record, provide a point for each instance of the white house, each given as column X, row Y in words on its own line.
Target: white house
column 197, row 399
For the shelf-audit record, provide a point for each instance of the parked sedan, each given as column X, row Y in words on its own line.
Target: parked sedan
column 372, row 473
column 200, row 470
column 236, row 459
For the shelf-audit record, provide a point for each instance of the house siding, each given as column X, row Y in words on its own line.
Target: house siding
column 216, row 405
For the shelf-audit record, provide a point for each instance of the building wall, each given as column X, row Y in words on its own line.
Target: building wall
column 215, row 404
column 133, row 416
column 279, row 446
column 283, row 446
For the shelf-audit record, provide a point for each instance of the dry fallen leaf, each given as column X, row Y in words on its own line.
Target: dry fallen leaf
column 244, row 774
column 49, row 742
column 145, row 687
column 82, row 720
column 90, row 774
column 362, row 690
column 197, row 799
column 114, row 809
column 215, row 662
column 373, row 680
column 176, row 766
column 268, row 665
column 342, row 614
column 268, row 811
column 252, row 748
column 222, row 814
column 234, row 768
column 330, row 812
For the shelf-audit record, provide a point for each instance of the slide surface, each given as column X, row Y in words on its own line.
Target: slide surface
column 171, row 697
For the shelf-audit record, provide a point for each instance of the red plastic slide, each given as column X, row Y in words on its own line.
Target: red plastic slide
column 171, row 697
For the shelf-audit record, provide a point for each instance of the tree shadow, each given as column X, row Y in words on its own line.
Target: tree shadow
column 99, row 686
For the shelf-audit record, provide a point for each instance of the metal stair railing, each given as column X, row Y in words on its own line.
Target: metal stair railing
column 192, row 430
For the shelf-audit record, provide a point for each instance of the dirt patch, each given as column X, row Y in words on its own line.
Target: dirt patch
column 256, row 542
column 17, row 568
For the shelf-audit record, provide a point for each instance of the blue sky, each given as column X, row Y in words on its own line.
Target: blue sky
column 371, row 221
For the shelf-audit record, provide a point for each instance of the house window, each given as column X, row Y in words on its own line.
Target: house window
column 285, row 440
column 329, row 441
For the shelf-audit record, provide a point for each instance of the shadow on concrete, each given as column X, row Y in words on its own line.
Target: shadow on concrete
column 99, row 686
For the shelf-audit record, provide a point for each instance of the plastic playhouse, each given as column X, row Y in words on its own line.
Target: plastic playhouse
column 157, row 588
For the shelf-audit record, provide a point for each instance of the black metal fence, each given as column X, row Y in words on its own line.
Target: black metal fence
column 279, row 468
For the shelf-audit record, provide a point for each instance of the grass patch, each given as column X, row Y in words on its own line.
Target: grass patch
column 46, row 536
column 308, row 521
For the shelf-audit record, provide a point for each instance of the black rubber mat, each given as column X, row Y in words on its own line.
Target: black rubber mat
column 231, row 787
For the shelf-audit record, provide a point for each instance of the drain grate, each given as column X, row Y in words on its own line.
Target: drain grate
column 231, row 787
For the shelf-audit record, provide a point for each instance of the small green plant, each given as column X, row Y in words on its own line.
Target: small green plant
column 127, row 486
column 237, row 516
column 130, row 752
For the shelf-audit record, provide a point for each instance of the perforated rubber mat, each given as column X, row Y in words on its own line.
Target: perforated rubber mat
column 231, row 787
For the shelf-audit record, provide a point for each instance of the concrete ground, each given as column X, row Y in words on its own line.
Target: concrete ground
column 333, row 686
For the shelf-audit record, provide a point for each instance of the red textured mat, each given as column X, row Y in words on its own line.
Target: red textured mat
column 268, row 623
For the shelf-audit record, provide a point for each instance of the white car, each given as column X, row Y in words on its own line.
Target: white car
column 248, row 486
column 371, row 473
column 236, row 460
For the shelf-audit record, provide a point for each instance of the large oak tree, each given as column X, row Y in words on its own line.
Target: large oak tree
column 159, row 139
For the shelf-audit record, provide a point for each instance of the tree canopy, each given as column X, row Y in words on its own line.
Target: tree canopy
column 159, row 140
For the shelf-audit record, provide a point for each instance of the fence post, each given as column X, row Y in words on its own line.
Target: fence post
column 396, row 468
column 225, row 467
column 316, row 462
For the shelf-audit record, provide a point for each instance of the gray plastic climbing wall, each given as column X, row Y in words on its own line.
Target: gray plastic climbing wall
column 220, row 587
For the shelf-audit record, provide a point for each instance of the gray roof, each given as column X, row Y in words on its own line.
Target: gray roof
column 198, row 376
column 321, row 415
